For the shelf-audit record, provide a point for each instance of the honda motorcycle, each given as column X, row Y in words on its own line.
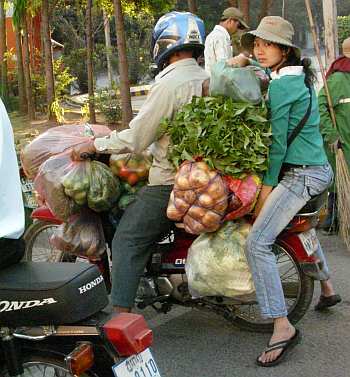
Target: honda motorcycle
column 53, row 324
column 164, row 282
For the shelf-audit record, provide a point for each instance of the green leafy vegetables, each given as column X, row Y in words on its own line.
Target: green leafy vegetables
column 230, row 137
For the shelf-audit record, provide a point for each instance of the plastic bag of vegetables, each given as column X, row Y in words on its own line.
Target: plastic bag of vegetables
column 216, row 264
column 130, row 168
column 198, row 199
column 50, row 189
column 55, row 141
column 243, row 195
column 92, row 183
column 81, row 235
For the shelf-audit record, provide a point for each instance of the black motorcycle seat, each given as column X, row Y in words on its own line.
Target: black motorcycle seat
column 40, row 293
column 314, row 204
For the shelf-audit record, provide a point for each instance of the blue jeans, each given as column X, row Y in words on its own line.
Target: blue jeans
column 297, row 186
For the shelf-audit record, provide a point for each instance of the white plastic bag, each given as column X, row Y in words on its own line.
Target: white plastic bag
column 216, row 263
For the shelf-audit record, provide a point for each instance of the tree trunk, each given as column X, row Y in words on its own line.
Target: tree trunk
column 123, row 65
column 20, row 73
column 192, row 6
column 90, row 68
column 46, row 39
column 330, row 31
column 265, row 7
column 107, row 28
column 3, row 50
column 26, row 67
column 232, row 3
column 244, row 5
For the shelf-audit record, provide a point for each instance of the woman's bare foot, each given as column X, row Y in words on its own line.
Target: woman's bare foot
column 283, row 331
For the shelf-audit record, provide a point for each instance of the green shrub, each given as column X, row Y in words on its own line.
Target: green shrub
column 108, row 103
column 343, row 28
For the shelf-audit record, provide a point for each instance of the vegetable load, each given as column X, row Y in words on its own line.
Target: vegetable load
column 130, row 168
column 216, row 264
column 230, row 137
column 199, row 198
column 91, row 183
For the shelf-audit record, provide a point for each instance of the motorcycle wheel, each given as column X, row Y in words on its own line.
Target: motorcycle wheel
column 44, row 366
column 298, row 292
column 38, row 247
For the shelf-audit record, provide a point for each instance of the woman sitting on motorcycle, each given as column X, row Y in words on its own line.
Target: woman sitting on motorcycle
column 297, row 171
column 11, row 203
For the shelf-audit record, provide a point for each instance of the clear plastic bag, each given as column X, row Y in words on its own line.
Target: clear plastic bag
column 130, row 167
column 198, row 199
column 81, row 235
column 55, row 141
column 241, row 84
column 50, row 189
column 216, row 264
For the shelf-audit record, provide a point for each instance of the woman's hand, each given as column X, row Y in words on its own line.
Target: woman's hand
column 264, row 193
column 86, row 149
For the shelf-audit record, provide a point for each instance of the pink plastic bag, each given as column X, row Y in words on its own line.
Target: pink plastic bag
column 55, row 141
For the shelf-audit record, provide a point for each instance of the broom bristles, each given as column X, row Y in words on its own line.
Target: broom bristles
column 342, row 181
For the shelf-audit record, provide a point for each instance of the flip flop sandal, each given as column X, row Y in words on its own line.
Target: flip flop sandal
column 284, row 345
column 326, row 302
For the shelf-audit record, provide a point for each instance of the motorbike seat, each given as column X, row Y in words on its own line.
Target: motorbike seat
column 314, row 204
column 40, row 293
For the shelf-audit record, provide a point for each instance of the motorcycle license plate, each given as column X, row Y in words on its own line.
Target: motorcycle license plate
column 140, row 365
column 309, row 241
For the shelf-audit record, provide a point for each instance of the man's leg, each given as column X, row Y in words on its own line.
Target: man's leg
column 142, row 224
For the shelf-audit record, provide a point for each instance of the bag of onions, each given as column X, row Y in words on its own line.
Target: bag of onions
column 199, row 198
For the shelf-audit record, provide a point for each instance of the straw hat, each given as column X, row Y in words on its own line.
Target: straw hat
column 274, row 29
column 346, row 47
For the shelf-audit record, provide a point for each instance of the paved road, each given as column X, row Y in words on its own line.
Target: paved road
column 189, row 343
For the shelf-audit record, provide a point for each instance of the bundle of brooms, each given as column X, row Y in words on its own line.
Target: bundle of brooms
column 342, row 179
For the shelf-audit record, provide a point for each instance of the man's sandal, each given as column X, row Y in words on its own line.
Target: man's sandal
column 327, row 301
column 284, row 345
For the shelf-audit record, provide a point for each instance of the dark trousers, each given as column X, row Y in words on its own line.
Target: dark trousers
column 11, row 251
column 142, row 224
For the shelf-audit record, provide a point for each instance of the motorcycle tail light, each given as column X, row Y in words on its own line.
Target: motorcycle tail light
column 300, row 225
column 129, row 333
column 80, row 359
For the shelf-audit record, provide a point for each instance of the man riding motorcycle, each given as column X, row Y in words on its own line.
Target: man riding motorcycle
column 177, row 41
column 11, row 201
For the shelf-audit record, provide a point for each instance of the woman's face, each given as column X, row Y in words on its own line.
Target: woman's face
column 268, row 54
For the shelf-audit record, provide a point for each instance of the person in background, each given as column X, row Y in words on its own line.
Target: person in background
column 11, row 201
column 296, row 172
column 218, row 44
column 338, row 82
column 177, row 41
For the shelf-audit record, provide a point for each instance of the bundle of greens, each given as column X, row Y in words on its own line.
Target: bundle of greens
column 230, row 137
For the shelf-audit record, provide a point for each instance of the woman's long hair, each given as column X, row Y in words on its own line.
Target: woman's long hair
column 293, row 59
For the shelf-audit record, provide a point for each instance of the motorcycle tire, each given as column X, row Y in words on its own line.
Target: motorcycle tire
column 38, row 248
column 41, row 366
column 295, row 312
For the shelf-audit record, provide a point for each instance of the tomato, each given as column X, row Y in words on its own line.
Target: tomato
column 132, row 179
column 124, row 172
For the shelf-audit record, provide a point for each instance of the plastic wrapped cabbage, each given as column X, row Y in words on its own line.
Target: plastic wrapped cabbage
column 216, row 264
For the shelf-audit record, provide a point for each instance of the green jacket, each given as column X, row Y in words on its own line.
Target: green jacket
column 339, row 88
column 288, row 100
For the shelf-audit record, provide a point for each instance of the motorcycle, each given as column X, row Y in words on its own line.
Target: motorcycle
column 164, row 282
column 53, row 322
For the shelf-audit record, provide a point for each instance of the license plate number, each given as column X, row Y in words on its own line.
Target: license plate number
column 140, row 365
column 309, row 241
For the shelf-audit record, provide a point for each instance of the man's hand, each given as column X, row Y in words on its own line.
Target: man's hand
column 238, row 61
column 264, row 193
column 335, row 146
column 87, row 148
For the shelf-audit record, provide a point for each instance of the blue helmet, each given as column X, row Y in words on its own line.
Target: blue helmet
column 177, row 31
